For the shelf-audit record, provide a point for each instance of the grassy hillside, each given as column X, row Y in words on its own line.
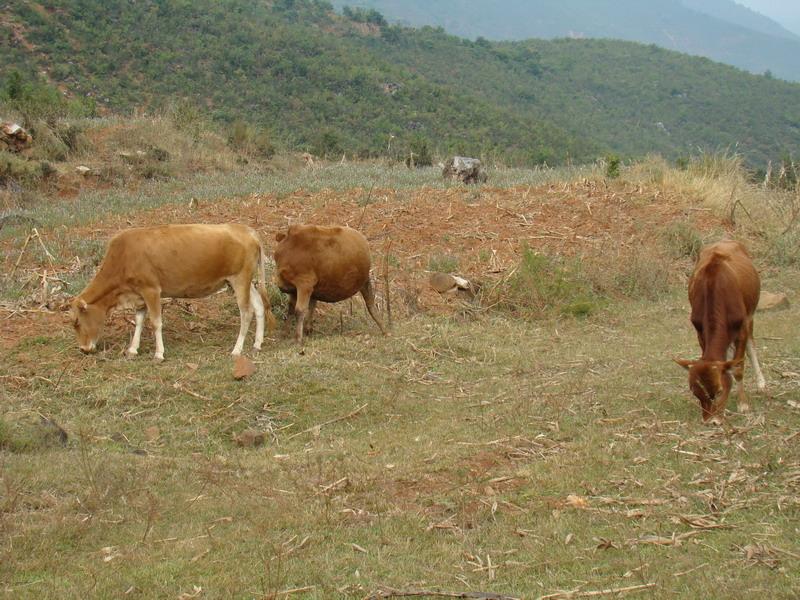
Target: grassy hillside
column 721, row 30
column 317, row 81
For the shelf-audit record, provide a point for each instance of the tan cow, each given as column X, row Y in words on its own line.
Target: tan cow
column 143, row 265
column 723, row 292
column 328, row 264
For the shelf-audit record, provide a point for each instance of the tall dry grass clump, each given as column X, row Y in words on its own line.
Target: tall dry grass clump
column 764, row 211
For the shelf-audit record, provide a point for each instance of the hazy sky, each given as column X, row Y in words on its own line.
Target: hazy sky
column 786, row 12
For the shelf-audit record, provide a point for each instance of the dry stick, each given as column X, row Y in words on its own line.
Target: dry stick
column 595, row 593
column 21, row 252
column 46, row 251
column 386, row 283
column 392, row 593
column 329, row 422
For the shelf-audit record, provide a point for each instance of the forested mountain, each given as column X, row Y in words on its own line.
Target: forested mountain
column 718, row 29
column 355, row 84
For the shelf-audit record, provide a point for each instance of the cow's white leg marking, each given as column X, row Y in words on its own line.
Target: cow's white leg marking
column 159, row 355
column 258, row 307
column 152, row 300
column 242, row 292
column 751, row 354
column 133, row 349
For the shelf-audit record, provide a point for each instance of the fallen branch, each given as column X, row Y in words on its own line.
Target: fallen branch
column 329, row 422
column 386, row 592
column 596, row 593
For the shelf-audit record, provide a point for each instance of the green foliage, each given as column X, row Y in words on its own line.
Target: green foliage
column 24, row 172
column 251, row 141
column 784, row 250
column 38, row 101
column 419, row 154
column 612, row 166
column 315, row 80
column 542, row 286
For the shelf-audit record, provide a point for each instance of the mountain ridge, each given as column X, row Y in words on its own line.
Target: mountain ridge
column 715, row 29
column 332, row 84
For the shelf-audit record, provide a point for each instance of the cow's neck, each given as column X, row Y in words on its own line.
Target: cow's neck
column 102, row 296
column 715, row 320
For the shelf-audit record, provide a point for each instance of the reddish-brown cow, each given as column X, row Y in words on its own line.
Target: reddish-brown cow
column 723, row 291
column 143, row 265
column 328, row 264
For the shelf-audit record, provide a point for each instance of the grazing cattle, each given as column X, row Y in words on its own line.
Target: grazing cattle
column 723, row 292
column 143, row 265
column 328, row 264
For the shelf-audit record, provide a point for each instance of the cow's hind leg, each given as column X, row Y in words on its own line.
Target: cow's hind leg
column 751, row 354
column 258, row 307
column 241, row 287
column 309, row 324
column 152, row 300
column 133, row 348
column 369, row 299
column 738, row 369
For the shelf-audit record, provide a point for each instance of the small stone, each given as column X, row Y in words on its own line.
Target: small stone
column 442, row 282
column 769, row 301
column 243, row 367
column 250, row 438
column 83, row 170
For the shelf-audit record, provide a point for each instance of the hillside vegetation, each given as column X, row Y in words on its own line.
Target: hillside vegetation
column 309, row 79
column 718, row 29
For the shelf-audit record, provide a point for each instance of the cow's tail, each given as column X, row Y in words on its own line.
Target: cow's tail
column 262, row 288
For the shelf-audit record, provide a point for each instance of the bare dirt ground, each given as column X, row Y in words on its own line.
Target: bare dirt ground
column 478, row 233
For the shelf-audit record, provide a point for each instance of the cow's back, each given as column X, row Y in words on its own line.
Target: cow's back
column 184, row 261
column 726, row 266
column 336, row 257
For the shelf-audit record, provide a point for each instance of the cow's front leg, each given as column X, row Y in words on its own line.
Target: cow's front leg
column 133, row 349
column 301, row 310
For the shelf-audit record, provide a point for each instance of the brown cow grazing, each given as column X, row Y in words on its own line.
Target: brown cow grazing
column 723, row 292
column 322, row 263
column 143, row 265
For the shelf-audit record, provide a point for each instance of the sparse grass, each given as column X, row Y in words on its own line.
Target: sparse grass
column 515, row 455
column 473, row 440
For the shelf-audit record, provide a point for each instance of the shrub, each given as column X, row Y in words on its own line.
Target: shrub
column 612, row 166
column 541, row 285
column 682, row 240
column 419, row 155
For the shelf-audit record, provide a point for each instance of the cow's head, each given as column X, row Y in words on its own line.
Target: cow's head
column 87, row 320
column 708, row 379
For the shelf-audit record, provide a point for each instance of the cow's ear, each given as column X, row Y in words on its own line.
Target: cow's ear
column 82, row 306
column 686, row 364
column 729, row 364
column 280, row 236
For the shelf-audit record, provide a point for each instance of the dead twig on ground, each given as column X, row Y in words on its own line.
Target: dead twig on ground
column 387, row 592
column 330, row 421
column 596, row 593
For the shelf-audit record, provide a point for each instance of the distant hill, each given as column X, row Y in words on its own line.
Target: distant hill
column 332, row 84
column 787, row 13
column 718, row 29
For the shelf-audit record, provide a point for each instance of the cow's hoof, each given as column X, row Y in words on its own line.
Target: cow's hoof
column 257, row 347
column 744, row 408
column 158, row 358
column 131, row 354
column 716, row 421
